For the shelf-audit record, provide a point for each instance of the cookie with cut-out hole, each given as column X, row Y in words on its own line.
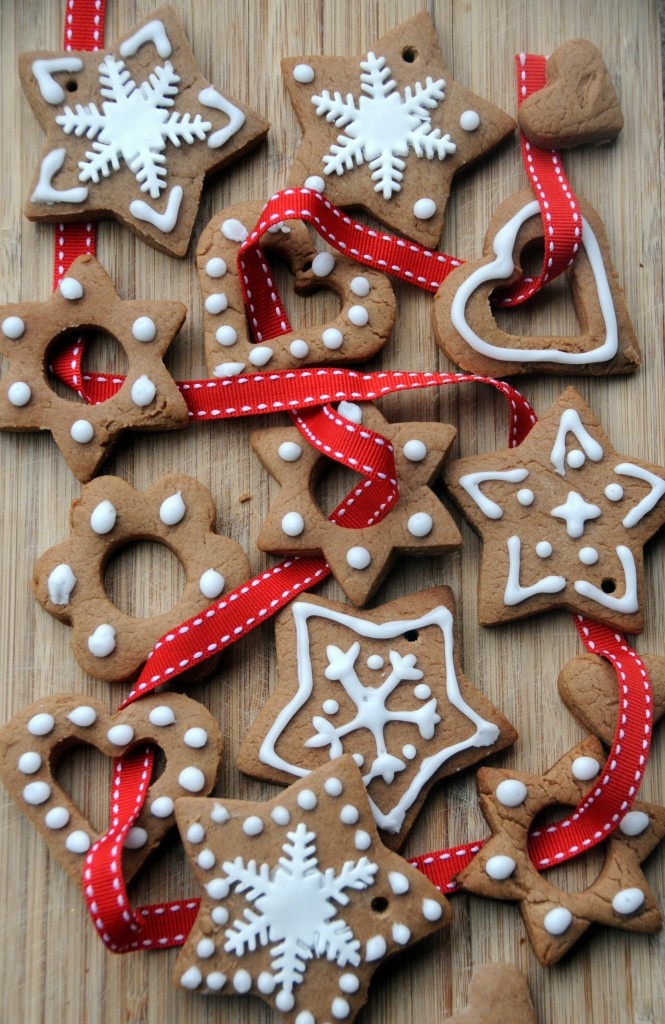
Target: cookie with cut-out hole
column 359, row 557
column 385, row 686
column 588, row 687
column 578, row 104
column 37, row 738
column 132, row 131
column 110, row 514
column 563, row 518
column 466, row 327
column 497, row 992
column 300, row 900
column 147, row 399
column 387, row 131
column 554, row 918
column 233, row 342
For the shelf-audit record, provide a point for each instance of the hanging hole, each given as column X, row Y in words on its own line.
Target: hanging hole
column 608, row 585
column 409, row 54
column 379, row 904
column 411, row 635
column 72, row 85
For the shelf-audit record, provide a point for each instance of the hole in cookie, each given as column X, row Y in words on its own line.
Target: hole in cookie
column 379, row 904
column 144, row 578
column 608, row 585
column 409, row 54
column 411, row 635
column 72, row 85
column 333, row 484
column 102, row 356
column 577, row 874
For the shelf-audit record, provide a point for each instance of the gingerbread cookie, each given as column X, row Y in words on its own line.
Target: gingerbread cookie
column 357, row 333
column 148, row 398
column 554, row 918
column 497, row 992
column 359, row 558
column 468, row 333
column 588, row 688
column 132, row 131
column 33, row 742
column 386, row 132
column 301, row 902
column 386, row 687
column 578, row 105
column 563, row 519
column 68, row 579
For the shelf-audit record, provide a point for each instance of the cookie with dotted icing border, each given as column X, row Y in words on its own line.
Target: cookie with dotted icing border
column 358, row 332
column 68, row 579
column 387, row 131
column 147, row 400
column 300, row 900
column 497, row 992
column 563, row 519
column 385, row 686
column 359, row 558
column 579, row 103
column 588, row 687
column 554, row 918
column 132, row 131
column 37, row 738
column 466, row 328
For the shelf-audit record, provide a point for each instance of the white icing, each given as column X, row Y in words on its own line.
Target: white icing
column 420, row 524
column 196, row 737
column 634, row 823
column 144, row 329
column 280, row 815
column 588, row 556
column 120, row 735
column 217, row 303
column 234, row 230
column 218, row 889
column 136, row 838
column 626, row 604
column 543, row 549
column 299, row 348
column 196, row 833
column 575, row 458
column 614, row 492
column 216, row 980
column 525, row 497
column 205, row 948
column 500, row 867
column 162, row 807
column 340, row 1008
column 215, row 267
column 36, row 793
column 211, row 584
column 409, row 751
column 576, row 513
column 293, row 524
column 358, row 316
column 220, row 915
column 398, row 882
column 422, row 691
column 71, row 289
column 19, row 394
column 45, row 192
column 172, row 510
column 162, row 716
column 401, row 934
column 557, row 921
column 362, row 840
column 143, row 391
column 41, row 724
column 657, row 485
column 432, row 910
column 192, row 779
column 511, row 792
column 191, row 979
column 585, row 768
column 252, row 826
column 228, row 369
column 227, row 337
column 164, row 222
column 316, row 183
column 206, row 859
column 13, row 327
column 44, row 69
column 349, row 814
column 289, row 451
column 152, row 32
column 415, row 451
column 360, row 286
column 469, row 120
column 350, row 411
column 375, row 662
column 471, row 483
column 307, row 799
column 259, row 355
column 303, row 74
column 60, row 584
column 219, row 814
column 210, row 97
column 82, row 431
column 424, row 208
column 570, row 423
column 102, row 642
column 376, row 948
column 358, row 557
column 349, row 983
column 103, row 517
column 332, row 338
column 83, row 716
column 515, row 592
column 29, row 762
column 333, row 787
column 323, row 264
column 57, row 818
column 78, row 842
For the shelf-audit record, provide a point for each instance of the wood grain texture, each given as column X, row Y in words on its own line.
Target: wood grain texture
column 53, row 968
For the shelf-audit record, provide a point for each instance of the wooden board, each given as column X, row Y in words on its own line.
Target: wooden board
column 53, row 967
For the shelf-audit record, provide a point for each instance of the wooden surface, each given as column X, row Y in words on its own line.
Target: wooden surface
column 53, row 968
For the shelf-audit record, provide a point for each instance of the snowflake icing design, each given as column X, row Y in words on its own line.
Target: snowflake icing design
column 293, row 908
column 134, row 124
column 384, row 125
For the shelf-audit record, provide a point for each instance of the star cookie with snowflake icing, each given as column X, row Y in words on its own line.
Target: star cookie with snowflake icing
column 563, row 519
column 387, row 131
column 132, row 131
column 555, row 918
column 301, row 901
column 386, row 687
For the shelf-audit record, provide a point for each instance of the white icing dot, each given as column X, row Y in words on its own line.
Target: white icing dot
column 162, row 716
column 349, row 814
column 557, row 921
column 339, row 1008
column 228, row 370
column 585, row 768
column 57, row 817
column 375, row 948
column 305, row 1017
column 469, row 120
column 60, row 584
column 280, row 815
column 252, row 826
column 358, row 557
column 575, row 458
column 13, row 327
column 634, row 823
column 218, row 889
column 401, row 934
column 82, row 431
column 102, row 642
column 205, row 948
column 627, row 901
column 41, row 725
column 234, row 230
column 303, row 74
column 359, row 759
column 217, row 303
column 78, row 842
column 162, row 807
column 432, row 910
column 19, row 394
column 323, row 264
column 211, row 584
column 614, row 492
column 362, row 840
column 144, row 329
column 375, row 662
column 422, row 691
column 195, row 737
column 120, row 735
column 415, row 451
column 192, row 779
column 103, row 517
column 588, row 556
column 525, row 496
column 266, row 983
column 220, row 915
column 216, row 267
column 192, row 978
column 136, row 838
column 289, row 451
column 259, row 355
column 242, row 981
column 398, row 882
column 332, row 338
column 299, row 348
column 409, row 751
column 543, row 549
column 285, row 1001
column 511, row 792
column 30, row 762
column 219, row 814
column 196, row 833
column 420, row 524
column 360, row 286
column 84, row 716
column 349, row 983
column 330, row 706
column 500, row 867
column 358, row 316
column 172, row 509
column 316, row 183
column 350, row 411
column 333, row 787
column 206, row 859
column 36, row 793
column 307, row 799
column 424, row 208
column 215, row 981
column 71, row 289
column 226, row 335
column 293, row 524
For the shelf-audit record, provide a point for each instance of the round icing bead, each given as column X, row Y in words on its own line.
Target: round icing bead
column 323, row 264
column 144, row 329
column 332, row 338
column 293, row 524
column 414, row 450
column 78, row 842
column 358, row 316
column 71, row 289
column 557, row 921
column 543, row 549
column 409, row 751
column 424, row 208
column 260, row 355
column 234, row 230
column 218, row 889
column 217, row 303
column 349, row 983
column 172, row 509
column 192, row 779
column 60, row 584
column 299, row 348
column 19, row 394
column 285, row 1001
column 420, row 524
column 252, row 826
column 422, row 691
column 359, row 759
column 228, row 370
column 360, row 286
column 307, row 799
column 143, row 391
column 102, row 641
column 162, row 807
column 401, row 934
column 362, row 840
column 36, row 793
column 614, row 492
column 215, row 981
column 196, row 833
column 349, row 814
column 375, row 662
column 634, row 823
column 41, row 724
column 316, row 183
column 511, row 792
column 103, row 518
column 120, row 735
column 84, row 716
column 57, row 818
column 219, row 814
column 82, row 431
column 375, row 948
column 242, row 981
column 289, row 451
column 469, row 120
column 162, row 716
column 333, row 787
column 136, row 838
column 627, row 901
column 192, row 978
column 575, row 458
column 216, row 267
column 585, row 768
column 305, row 1017
column 226, row 335
column 358, row 557
column 13, row 327
column 588, row 556
column 206, row 859
column 196, row 737
column 211, row 584
column 280, row 815
column 266, row 983
column 205, row 948
column 398, row 882
column 30, row 762
column 500, row 867
column 431, row 910
column 350, row 411
column 339, row 1008
column 525, row 496
column 330, row 706
column 303, row 74
column 220, row 915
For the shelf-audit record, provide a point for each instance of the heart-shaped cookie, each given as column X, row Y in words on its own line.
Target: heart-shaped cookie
column 578, row 105
column 34, row 740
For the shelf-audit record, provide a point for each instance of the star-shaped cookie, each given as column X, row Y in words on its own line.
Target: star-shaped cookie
column 148, row 398
column 555, row 918
column 417, row 524
column 497, row 992
column 385, row 132
column 132, row 131
column 563, row 519
column 301, row 902
column 384, row 686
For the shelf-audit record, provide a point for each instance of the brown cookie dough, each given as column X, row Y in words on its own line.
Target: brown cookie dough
column 497, row 992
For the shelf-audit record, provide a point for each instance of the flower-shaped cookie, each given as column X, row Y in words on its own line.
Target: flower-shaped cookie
column 176, row 511
column 554, row 918
column 417, row 524
column 147, row 400
column 563, row 519
column 358, row 332
column 301, row 902
column 131, row 132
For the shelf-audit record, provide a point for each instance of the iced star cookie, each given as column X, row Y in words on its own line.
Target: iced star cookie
column 359, row 558
column 300, row 900
column 384, row 686
column 468, row 332
column 35, row 740
column 497, row 992
column 147, row 400
column 68, row 579
column 132, row 131
column 555, row 918
column 233, row 342
column 386, row 132
column 563, row 519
